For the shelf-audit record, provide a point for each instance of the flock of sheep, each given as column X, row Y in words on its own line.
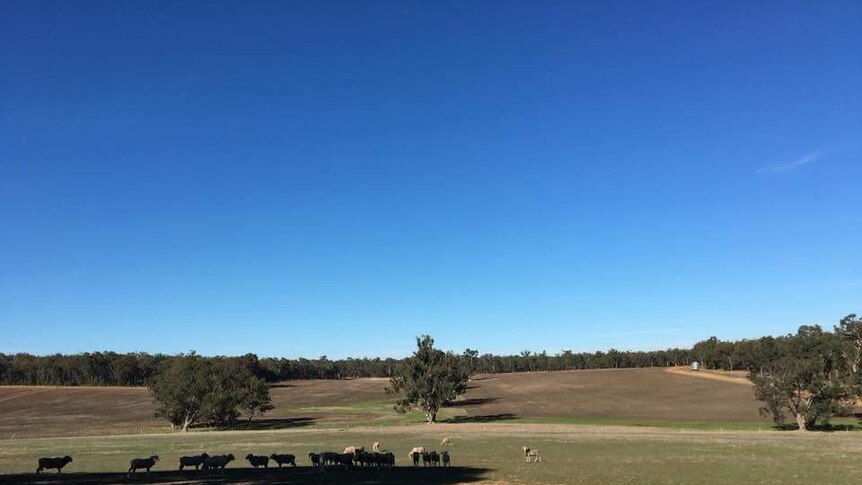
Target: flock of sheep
column 352, row 456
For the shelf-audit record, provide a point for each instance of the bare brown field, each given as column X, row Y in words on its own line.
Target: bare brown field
column 631, row 394
column 640, row 394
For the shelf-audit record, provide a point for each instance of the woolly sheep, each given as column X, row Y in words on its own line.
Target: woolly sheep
column 531, row 454
column 218, row 461
column 145, row 463
column 257, row 461
column 52, row 463
column 444, row 457
column 195, row 461
column 286, row 459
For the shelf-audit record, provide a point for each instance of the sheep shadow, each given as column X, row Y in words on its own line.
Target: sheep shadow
column 483, row 418
column 299, row 476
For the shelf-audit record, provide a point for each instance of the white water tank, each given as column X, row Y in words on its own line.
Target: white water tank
column 695, row 365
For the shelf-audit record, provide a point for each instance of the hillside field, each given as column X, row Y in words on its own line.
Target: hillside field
column 630, row 396
column 644, row 426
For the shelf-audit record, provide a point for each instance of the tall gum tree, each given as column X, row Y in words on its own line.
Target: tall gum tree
column 428, row 380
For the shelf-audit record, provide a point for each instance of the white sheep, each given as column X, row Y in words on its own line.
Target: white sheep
column 375, row 447
column 416, row 450
column 353, row 450
column 446, row 442
column 531, row 454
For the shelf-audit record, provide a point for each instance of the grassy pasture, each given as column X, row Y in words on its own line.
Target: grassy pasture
column 644, row 426
column 481, row 453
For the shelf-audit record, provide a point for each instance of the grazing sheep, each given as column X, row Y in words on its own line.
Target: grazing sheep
column 329, row 458
column 426, row 458
column 389, row 459
column 354, row 449
column 446, row 442
column 345, row 459
column 531, row 455
column 417, row 449
column 217, row 462
column 315, row 460
column 286, row 459
column 52, row 463
column 435, row 458
column 257, row 461
column 195, row 461
column 415, row 457
column 444, row 457
column 145, row 463
column 375, row 447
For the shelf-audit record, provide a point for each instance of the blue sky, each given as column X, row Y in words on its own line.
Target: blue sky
column 307, row 178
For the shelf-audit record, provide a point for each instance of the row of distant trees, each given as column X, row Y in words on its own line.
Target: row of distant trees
column 136, row 369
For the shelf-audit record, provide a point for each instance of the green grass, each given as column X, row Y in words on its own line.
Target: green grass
column 572, row 454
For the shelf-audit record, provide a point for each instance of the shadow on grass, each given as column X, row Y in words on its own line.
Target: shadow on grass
column 823, row 428
column 260, row 424
column 484, row 418
column 299, row 476
column 273, row 423
column 473, row 402
column 281, row 385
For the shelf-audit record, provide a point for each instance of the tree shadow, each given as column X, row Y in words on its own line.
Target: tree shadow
column 273, row 423
column 485, row 418
column 473, row 402
column 261, row 424
column 281, row 385
column 299, row 475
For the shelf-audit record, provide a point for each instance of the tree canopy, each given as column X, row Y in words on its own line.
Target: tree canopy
column 428, row 380
column 191, row 389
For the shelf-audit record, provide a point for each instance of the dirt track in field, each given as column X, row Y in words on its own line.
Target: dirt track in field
column 631, row 394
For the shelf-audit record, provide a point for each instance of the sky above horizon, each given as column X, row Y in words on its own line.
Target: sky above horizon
column 335, row 177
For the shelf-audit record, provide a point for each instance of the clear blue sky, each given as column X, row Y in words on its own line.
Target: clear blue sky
column 307, row 178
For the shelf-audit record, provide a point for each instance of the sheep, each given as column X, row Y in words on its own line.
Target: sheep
column 345, row 459
column 446, row 442
column 354, row 449
column 417, row 449
column 52, row 463
column 444, row 457
column 362, row 458
column 315, row 460
column 218, row 461
column 435, row 458
column 286, row 459
column 329, row 458
column 426, row 458
column 389, row 459
column 195, row 461
column 375, row 447
column 415, row 457
column 531, row 454
column 257, row 461
column 146, row 463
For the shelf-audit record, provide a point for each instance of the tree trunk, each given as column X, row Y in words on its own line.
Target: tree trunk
column 187, row 421
column 431, row 417
column 800, row 421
